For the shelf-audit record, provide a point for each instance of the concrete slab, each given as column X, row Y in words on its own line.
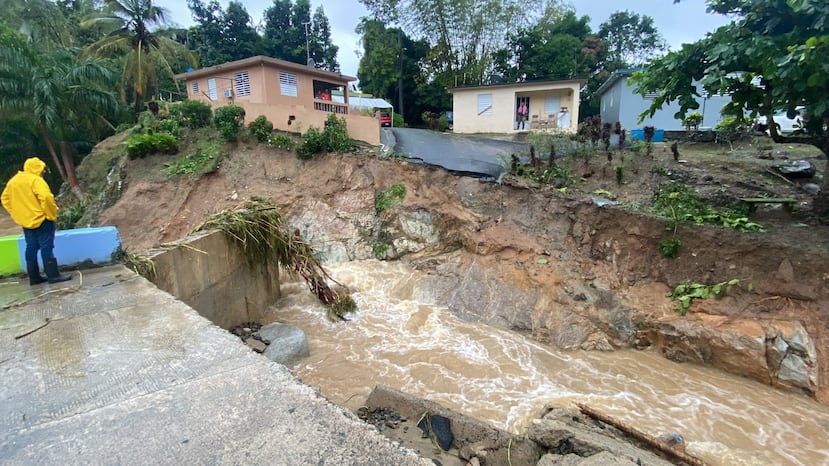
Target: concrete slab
column 111, row 370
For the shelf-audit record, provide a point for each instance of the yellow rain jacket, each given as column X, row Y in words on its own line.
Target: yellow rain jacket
column 28, row 198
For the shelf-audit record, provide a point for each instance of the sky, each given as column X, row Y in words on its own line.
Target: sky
column 679, row 23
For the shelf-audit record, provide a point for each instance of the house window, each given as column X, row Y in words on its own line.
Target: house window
column 242, row 81
column 195, row 87
column 287, row 84
column 211, row 89
column 484, row 104
column 552, row 103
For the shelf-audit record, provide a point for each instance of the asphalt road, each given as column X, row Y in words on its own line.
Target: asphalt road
column 464, row 155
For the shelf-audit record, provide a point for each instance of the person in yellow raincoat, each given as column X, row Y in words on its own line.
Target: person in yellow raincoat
column 31, row 205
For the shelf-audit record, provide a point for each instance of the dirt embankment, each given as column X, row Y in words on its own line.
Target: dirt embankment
column 548, row 262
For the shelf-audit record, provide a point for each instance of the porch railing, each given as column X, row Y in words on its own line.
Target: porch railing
column 329, row 107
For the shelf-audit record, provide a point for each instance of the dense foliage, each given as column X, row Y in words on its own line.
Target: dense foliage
column 771, row 57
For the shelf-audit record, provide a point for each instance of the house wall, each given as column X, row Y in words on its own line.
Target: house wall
column 266, row 99
column 502, row 119
column 632, row 104
column 612, row 102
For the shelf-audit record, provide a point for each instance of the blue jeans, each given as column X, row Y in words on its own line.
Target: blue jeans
column 42, row 238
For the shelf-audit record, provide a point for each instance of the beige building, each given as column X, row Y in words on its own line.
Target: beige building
column 292, row 96
column 508, row 108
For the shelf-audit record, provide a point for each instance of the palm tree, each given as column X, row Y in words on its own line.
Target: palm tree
column 57, row 94
column 129, row 23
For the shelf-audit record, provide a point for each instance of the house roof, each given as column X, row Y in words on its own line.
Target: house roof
column 520, row 84
column 263, row 60
column 614, row 77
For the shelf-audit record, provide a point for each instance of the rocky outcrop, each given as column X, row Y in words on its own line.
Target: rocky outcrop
column 560, row 437
column 567, row 277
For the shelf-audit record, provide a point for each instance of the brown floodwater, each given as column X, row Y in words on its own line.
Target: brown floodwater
column 401, row 339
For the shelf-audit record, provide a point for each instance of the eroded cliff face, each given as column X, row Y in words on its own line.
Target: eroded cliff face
column 552, row 265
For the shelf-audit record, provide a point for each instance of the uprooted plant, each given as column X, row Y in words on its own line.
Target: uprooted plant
column 257, row 228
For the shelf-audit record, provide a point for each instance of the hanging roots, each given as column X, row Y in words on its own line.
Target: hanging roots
column 257, row 228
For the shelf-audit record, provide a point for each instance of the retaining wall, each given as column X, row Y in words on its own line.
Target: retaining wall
column 209, row 273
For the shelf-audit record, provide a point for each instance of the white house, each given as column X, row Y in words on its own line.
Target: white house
column 517, row 107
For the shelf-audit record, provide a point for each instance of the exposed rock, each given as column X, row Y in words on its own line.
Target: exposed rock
column 256, row 345
column 288, row 343
column 801, row 168
column 811, row 188
column 564, row 433
column 599, row 459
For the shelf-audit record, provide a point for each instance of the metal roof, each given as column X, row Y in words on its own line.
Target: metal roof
column 615, row 76
column 362, row 102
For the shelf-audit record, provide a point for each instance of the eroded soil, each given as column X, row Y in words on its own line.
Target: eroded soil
column 508, row 233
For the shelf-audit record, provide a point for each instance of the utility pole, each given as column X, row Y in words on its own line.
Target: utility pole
column 400, row 63
column 307, row 44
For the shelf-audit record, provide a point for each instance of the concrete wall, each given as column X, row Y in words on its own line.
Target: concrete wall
column 77, row 247
column 209, row 273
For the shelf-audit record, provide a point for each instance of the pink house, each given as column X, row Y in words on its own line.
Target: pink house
column 292, row 96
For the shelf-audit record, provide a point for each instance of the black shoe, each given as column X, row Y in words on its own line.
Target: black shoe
column 33, row 271
column 52, row 273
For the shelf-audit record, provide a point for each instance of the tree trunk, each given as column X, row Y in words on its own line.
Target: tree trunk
column 821, row 203
column 72, row 179
column 52, row 152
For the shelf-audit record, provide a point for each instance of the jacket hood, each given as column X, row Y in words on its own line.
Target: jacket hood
column 34, row 166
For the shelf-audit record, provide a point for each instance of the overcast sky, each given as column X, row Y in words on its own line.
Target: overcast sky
column 686, row 21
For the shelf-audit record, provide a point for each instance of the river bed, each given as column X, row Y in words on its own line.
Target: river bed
column 401, row 339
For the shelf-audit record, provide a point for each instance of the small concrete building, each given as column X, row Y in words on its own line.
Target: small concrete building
column 517, row 107
column 292, row 96
column 620, row 103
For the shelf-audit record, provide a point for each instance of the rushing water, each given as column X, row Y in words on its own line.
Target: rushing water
column 400, row 339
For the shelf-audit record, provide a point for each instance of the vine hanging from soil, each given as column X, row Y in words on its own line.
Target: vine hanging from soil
column 256, row 227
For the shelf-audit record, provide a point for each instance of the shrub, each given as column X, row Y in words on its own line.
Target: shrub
column 282, row 141
column 141, row 145
column 169, row 125
column 229, row 120
column 693, row 120
column 730, row 130
column 336, row 135
column 312, row 144
column 261, row 128
column 334, row 138
column 192, row 113
column 68, row 217
column 397, row 120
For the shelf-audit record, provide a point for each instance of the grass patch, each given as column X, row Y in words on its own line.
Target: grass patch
column 203, row 157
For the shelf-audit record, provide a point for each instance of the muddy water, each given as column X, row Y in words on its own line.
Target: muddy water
column 400, row 339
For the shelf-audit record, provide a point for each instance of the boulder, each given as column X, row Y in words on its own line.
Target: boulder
column 288, row 344
column 793, row 169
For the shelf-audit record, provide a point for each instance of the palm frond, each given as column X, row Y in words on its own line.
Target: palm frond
column 257, row 228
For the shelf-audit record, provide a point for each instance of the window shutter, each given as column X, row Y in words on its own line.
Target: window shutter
column 484, row 104
column 242, row 82
column 287, row 84
column 211, row 89
column 195, row 87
